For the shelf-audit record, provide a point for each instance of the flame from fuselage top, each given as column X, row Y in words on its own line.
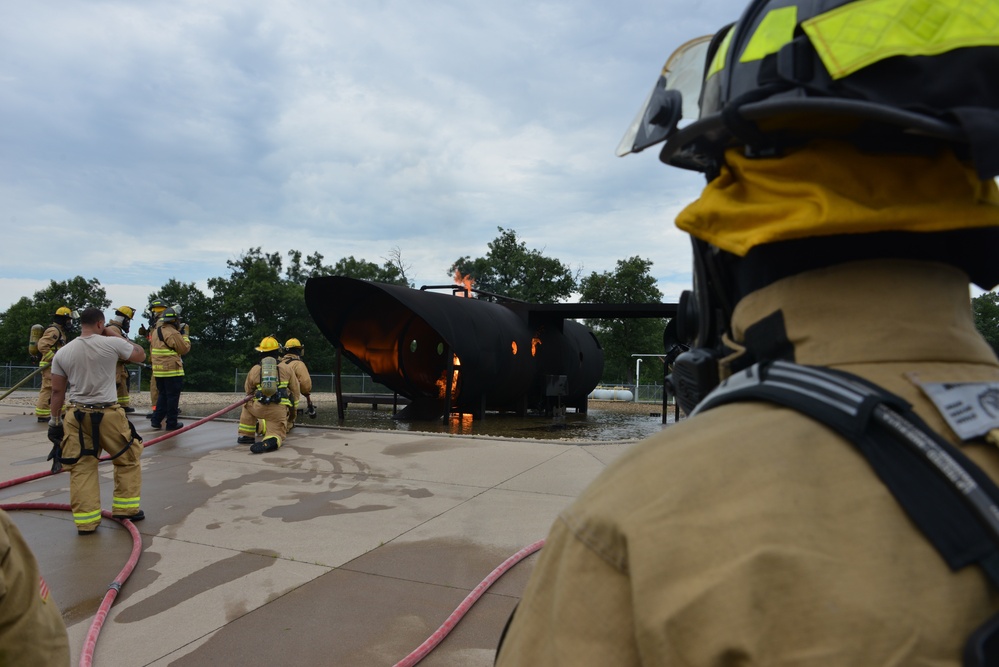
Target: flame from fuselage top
column 410, row 340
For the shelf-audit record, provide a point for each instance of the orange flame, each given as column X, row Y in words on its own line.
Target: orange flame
column 442, row 381
column 465, row 281
column 535, row 342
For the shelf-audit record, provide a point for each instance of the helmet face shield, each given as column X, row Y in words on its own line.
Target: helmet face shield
column 673, row 98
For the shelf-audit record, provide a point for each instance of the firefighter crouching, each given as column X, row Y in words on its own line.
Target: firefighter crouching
column 156, row 308
column 52, row 339
column 294, row 350
column 168, row 343
column 272, row 385
column 120, row 324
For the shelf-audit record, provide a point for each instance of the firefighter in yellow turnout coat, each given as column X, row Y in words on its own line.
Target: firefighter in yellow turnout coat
column 120, row 325
column 168, row 342
column 156, row 308
column 53, row 338
column 266, row 414
column 293, row 359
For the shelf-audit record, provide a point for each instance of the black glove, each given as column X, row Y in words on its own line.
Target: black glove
column 55, row 433
column 143, row 331
column 55, row 437
column 311, row 411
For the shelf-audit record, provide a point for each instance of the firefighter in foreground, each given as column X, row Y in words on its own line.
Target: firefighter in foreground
column 271, row 385
column 293, row 352
column 120, row 325
column 849, row 200
column 168, row 342
column 53, row 338
column 32, row 631
column 83, row 377
column 156, row 308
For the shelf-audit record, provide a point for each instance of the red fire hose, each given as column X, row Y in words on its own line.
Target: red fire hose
column 433, row 640
column 90, row 643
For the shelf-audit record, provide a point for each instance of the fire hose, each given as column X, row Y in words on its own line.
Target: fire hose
column 90, row 643
column 437, row 637
column 22, row 381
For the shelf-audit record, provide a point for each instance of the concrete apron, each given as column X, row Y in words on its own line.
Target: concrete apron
column 342, row 548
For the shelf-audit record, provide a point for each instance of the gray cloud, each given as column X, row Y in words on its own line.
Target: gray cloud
column 156, row 140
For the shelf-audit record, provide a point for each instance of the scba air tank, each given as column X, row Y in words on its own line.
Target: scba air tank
column 33, row 337
column 268, row 376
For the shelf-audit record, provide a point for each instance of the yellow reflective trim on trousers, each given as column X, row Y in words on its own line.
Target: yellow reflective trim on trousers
column 124, row 503
column 775, row 30
column 862, row 33
column 718, row 62
column 86, row 517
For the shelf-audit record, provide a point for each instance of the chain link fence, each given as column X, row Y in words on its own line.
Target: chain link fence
column 351, row 384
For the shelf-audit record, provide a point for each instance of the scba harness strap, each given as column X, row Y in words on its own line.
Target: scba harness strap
column 952, row 501
column 95, row 437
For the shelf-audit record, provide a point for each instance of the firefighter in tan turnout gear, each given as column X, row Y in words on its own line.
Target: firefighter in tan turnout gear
column 120, row 324
column 53, row 338
column 168, row 342
column 271, row 385
column 83, row 375
column 32, row 631
column 293, row 352
column 830, row 499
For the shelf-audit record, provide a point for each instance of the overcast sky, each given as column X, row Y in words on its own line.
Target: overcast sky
column 144, row 141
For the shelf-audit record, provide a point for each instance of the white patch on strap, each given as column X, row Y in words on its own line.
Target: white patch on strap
column 970, row 408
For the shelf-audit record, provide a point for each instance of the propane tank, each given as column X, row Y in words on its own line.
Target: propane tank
column 36, row 333
column 268, row 376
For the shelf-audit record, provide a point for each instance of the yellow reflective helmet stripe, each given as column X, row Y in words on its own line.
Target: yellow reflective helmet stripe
column 862, row 33
column 718, row 62
column 775, row 30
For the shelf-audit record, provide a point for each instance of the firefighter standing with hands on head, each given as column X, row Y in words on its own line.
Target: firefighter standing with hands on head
column 120, row 325
column 83, row 377
column 850, row 199
column 294, row 350
column 271, row 385
column 169, row 342
column 156, row 308
column 53, row 338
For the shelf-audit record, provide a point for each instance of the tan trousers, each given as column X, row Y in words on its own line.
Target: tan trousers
column 43, row 406
column 84, row 480
column 270, row 421
column 121, row 383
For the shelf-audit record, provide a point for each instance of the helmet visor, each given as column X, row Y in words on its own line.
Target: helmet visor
column 673, row 98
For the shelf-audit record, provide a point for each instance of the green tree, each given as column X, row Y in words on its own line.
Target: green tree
column 630, row 282
column 15, row 323
column 510, row 269
column 986, row 311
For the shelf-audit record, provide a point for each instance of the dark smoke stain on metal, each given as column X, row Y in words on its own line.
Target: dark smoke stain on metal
column 490, row 356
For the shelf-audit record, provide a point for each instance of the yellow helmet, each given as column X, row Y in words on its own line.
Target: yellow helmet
column 63, row 311
column 268, row 344
column 293, row 343
column 125, row 311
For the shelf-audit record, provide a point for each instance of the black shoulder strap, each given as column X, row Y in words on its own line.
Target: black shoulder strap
column 952, row 501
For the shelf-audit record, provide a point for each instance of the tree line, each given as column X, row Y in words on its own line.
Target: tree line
column 264, row 294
